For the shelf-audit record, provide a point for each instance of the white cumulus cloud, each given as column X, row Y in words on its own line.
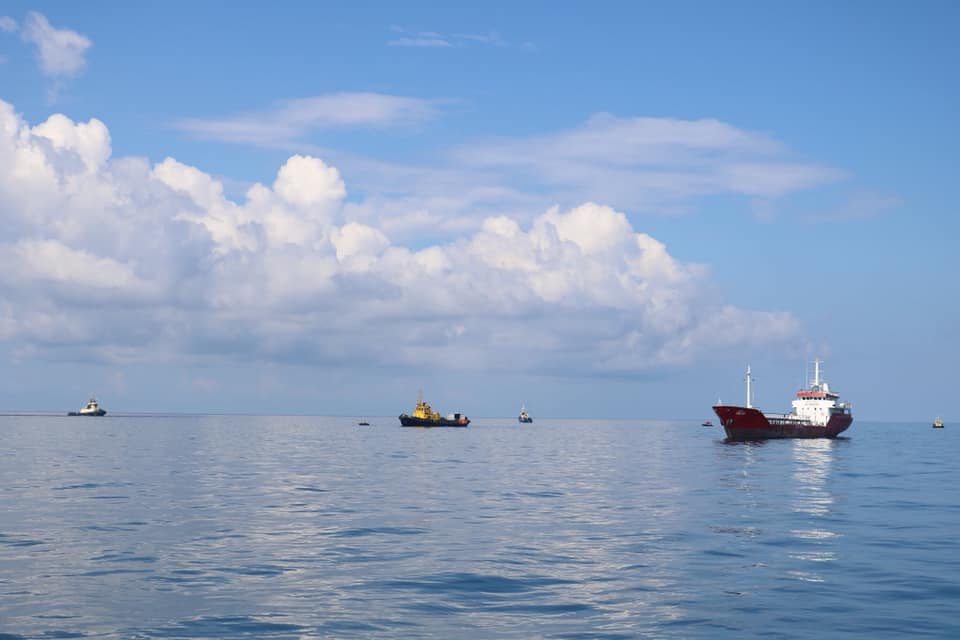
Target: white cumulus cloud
column 118, row 259
column 84, row 275
column 308, row 182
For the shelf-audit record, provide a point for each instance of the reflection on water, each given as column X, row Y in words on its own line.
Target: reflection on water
column 812, row 496
column 811, row 474
column 782, row 495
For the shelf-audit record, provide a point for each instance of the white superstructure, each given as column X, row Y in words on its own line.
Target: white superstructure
column 92, row 406
column 817, row 403
column 524, row 416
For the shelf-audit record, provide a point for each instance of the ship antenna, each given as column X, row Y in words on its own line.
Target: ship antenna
column 749, row 404
column 816, row 373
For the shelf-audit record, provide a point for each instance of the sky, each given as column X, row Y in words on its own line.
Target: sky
column 598, row 209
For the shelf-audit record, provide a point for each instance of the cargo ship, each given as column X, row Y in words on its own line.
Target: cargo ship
column 424, row 416
column 817, row 413
column 92, row 408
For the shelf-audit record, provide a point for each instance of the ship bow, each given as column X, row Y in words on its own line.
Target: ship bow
column 743, row 423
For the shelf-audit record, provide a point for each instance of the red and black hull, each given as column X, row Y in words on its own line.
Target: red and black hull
column 744, row 423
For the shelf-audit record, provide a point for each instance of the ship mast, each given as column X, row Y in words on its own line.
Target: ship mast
column 749, row 405
column 816, row 373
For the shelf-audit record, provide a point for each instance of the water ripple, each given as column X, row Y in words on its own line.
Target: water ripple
column 473, row 583
column 248, row 527
column 227, row 627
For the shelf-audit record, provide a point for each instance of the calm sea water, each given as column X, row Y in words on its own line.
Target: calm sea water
column 302, row 527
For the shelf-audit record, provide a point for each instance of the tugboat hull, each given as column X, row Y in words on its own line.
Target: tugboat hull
column 411, row 421
column 747, row 423
column 98, row 412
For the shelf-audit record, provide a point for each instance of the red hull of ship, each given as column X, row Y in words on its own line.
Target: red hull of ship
column 743, row 423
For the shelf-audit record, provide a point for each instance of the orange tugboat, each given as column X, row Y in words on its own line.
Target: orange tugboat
column 817, row 413
column 425, row 416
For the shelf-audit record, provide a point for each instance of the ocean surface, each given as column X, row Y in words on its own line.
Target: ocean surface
column 315, row 527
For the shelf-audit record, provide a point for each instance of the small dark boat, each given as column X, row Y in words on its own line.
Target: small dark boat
column 706, row 423
column 364, row 424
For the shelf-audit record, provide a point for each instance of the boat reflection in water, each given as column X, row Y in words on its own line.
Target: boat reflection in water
column 784, row 481
column 813, row 460
column 814, row 501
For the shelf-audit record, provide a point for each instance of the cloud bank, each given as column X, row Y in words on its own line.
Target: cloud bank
column 664, row 166
column 652, row 163
column 121, row 260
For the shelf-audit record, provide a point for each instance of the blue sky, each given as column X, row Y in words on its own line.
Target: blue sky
column 601, row 209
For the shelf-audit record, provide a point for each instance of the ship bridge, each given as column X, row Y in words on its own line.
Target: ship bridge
column 818, row 403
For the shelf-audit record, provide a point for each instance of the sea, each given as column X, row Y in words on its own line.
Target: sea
column 318, row 527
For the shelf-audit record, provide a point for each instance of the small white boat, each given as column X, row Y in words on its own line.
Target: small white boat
column 92, row 408
column 937, row 423
column 524, row 416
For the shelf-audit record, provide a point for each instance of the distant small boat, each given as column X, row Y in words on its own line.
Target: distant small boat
column 524, row 416
column 937, row 423
column 706, row 423
column 92, row 408
column 364, row 424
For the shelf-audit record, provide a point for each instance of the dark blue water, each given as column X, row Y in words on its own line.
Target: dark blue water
column 257, row 527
